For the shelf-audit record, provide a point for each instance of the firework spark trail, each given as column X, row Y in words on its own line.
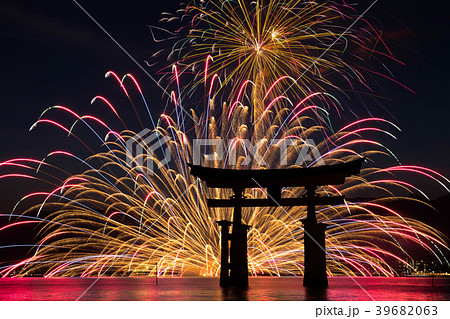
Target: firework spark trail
column 135, row 225
column 125, row 51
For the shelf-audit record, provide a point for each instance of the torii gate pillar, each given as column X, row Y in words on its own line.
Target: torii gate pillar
column 315, row 274
column 234, row 263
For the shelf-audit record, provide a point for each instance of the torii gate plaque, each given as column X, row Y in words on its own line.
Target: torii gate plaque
column 234, row 264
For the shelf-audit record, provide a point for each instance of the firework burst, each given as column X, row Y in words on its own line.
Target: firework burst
column 121, row 219
column 271, row 48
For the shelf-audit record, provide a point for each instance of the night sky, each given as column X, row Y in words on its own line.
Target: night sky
column 54, row 54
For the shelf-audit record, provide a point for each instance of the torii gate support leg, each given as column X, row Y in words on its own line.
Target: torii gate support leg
column 238, row 247
column 225, row 253
column 315, row 275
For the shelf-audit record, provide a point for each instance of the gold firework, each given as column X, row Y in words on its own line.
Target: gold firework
column 118, row 219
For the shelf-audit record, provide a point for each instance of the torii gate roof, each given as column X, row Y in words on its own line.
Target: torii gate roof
column 277, row 178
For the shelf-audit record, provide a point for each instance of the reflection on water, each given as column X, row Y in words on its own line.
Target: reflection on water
column 231, row 293
column 316, row 293
column 261, row 288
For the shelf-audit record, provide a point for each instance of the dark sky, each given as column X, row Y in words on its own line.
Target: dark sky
column 52, row 53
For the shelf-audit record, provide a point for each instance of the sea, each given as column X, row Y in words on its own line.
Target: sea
column 198, row 289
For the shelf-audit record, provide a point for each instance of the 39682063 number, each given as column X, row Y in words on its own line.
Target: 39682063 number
column 406, row 310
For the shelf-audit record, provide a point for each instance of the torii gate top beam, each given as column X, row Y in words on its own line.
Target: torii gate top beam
column 277, row 178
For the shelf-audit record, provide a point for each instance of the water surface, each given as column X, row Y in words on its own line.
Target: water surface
column 261, row 288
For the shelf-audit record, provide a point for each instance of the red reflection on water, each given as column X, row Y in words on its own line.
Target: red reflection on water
column 286, row 288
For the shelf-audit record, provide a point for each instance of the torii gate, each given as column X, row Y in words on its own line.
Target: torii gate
column 234, row 264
